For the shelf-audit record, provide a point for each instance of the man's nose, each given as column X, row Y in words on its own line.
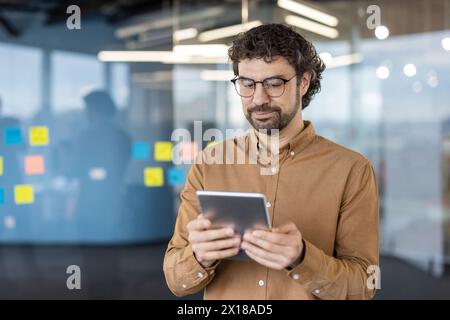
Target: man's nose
column 260, row 96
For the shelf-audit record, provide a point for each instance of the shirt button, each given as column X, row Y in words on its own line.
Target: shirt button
column 184, row 286
column 296, row 276
column 274, row 170
column 200, row 275
column 268, row 204
column 292, row 153
column 317, row 291
column 261, row 283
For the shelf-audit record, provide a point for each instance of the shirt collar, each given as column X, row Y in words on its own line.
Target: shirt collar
column 297, row 143
column 303, row 139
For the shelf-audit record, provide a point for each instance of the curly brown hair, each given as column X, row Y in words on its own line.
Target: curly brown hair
column 270, row 41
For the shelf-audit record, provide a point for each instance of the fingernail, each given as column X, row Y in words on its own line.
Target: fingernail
column 255, row 233
column 229, row 232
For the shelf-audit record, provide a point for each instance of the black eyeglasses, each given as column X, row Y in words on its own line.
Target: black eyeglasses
column 274, row 86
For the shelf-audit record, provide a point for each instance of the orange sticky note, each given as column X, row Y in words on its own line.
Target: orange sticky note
column 34, row 165
column 23, row 194
column 153, row 177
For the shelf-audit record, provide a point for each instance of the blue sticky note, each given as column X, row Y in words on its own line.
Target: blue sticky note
column 12, row 136
column 2, row 196
column 176, row 176
column 141, row 151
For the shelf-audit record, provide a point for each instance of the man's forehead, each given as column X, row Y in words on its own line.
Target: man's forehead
column 261, row 68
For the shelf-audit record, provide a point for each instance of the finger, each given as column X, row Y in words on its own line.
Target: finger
column 269, row 246
column 209, row 235
column 286, row 228
column 261, row 253
column 221, row 254
column 217, row 244
column 277, row 238
column 264, row 262
column 198, row 224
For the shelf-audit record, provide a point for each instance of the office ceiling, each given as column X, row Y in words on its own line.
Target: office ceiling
column 402, row 16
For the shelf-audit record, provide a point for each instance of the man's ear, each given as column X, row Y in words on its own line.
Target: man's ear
column 304, row 84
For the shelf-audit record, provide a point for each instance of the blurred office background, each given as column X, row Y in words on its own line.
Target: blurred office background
column 86, row 174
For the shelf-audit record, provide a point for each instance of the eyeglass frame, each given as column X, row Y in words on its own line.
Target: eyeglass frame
column 262, row 83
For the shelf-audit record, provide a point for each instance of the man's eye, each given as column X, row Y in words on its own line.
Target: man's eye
column 274, row 83
column 247, row 84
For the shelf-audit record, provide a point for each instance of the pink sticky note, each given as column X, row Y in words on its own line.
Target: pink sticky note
column 34, row 165
column 188, row 151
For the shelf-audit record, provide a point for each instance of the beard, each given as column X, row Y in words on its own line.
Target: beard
column 277, row 120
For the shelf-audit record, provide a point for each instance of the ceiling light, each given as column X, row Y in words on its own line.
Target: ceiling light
column 409, row 70
column 308, row 12
column 311, row 26
column 134, row 56
column 381, row 32
column 207, row 50
column 167, row 57
column 446, row 43
column 185, row 34
column 226, row 32
column 326, row 57
column 216, row 75
column 345, row 60
column 382, row 72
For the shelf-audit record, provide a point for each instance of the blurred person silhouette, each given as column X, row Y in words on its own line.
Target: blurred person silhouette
column 101, row 154
column 100, row 159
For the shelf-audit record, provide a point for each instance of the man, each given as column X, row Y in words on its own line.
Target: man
column 322, row 197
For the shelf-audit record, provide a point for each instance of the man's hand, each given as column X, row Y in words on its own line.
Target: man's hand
column 276, row 249
column 209, row 244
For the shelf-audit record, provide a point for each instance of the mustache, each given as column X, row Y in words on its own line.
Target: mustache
column 264, row 108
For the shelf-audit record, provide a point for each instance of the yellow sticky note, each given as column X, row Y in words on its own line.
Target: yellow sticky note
column 39, row 136
column 212, row 143
column 1, row 166
column 163, row 151
column 23, row 194
column 153, row 177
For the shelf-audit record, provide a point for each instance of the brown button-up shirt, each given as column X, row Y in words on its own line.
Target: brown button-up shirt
column 327, row 190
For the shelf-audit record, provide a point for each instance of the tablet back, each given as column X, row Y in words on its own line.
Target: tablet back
column 239, row 210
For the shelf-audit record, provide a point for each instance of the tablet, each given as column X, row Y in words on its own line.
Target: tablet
column 240, row 210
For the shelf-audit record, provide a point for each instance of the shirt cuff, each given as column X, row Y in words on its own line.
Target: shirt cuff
column 299, row 259
column 308, row 272
column 193, row 272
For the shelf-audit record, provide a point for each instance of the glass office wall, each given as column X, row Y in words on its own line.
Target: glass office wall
column 68, row 175
column 389, row 100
